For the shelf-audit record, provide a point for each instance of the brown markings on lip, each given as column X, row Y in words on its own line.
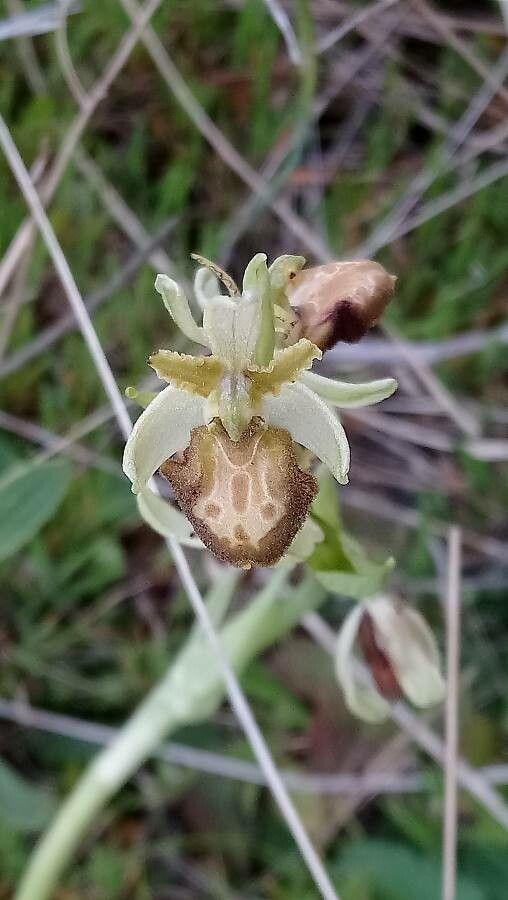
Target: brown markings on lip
column 377, row 661
column 240, row 491
column 246, row 499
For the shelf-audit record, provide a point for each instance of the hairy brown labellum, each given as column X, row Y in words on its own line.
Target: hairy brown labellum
column 377, row 661
column 246, row 499
column 339, row 301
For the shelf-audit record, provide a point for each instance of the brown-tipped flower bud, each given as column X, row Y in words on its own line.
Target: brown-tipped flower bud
column 339, row 301
column 377, row 661
column 399, row 651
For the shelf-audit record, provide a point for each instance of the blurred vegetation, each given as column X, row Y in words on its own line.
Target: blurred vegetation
column 92, row 608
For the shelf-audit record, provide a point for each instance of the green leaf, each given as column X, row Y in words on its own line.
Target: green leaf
column 8, row 455
column 339, row 562
column 397, row 872
column 24, row 806
column 90, row 569
column 330, row 555
column 366, row 578
column 29, row 496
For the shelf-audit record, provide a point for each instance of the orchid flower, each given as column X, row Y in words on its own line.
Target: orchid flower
column 226, row 429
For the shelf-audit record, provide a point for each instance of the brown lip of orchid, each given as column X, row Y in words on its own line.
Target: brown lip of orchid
column 246, row 499
column 228, row 424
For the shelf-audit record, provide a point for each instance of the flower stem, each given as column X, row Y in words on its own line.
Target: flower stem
column 191, row 690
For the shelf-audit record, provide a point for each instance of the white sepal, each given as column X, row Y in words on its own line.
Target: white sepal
column 361, row 698
column 255, row 277
column 206, row 285
column 347, row 395
column 162, row 429
column 178, row 307
column 406, row 639
column 231, row 327
column 165, row 519
column 311, row 423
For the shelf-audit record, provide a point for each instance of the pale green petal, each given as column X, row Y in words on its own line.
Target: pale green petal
column 361, row 699
column 234, row 405
column 283, row 268
column 162, row 429
column 404, row 636
column 256, row 285
column 310, row 423
column 347, row 395
column 178, row 307
column 197, row 374
column 142, row 398
column 166, row 519
column 206, row 285
column 231, row 327
column 255, row 276
column 285, row 367
column 304, row 542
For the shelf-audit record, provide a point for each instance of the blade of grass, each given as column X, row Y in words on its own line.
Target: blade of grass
column 451, row 716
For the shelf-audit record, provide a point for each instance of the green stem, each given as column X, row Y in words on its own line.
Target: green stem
column 191, row 690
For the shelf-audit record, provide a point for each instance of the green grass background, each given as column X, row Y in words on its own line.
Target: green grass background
column 72, row 639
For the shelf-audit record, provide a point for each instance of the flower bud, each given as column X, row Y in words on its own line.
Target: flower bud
column 339, row 301
column 400, row 653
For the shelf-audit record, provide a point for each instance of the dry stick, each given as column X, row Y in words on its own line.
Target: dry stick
column 413, row 27
column 379, row 782
column 383, row 508
column 52, row 333
column 395, row 220
column 465, row 420
column 378, row 351
column 219, row 142
column 121, row 213
column 462, row 191
column 488, row 449
column 13, row 302
column 212, row 763
column 270, row 172
column 470, row 778
column 64, row 57
column 442, row 25
column 55, row 444
column 17, row 298
column 98, row 92
column 281, row 19
column 333, row 37
column 383, row 234
column 235, row 693
column 26, row 51
column 451, row 715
